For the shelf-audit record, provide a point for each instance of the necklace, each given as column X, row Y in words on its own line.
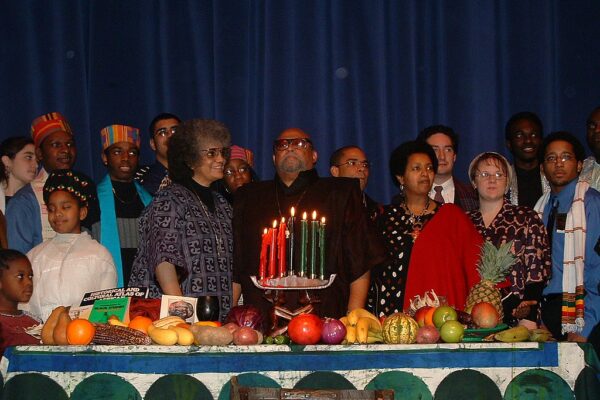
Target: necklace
column 415, row 220
column 211, row 222
column 121, row 200
column 295, row 205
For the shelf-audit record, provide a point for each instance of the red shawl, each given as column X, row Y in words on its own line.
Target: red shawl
column 445, row 257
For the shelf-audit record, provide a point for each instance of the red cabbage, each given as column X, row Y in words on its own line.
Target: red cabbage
column 247, row 315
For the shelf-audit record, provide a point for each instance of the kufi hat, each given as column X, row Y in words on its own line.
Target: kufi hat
column 46, row 124
column 119, row 133
column 65, row 179
column 240, row 153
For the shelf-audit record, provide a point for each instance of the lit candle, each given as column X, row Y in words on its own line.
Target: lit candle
column 322, row 249
column 290, row 228
column 314, row 228
column 262, row 267
column 273, row 251
column 303, row 244
column 281, row 249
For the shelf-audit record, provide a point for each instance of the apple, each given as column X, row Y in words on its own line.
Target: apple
column 485, row 315
column 427, row 334
column 422, row 314
column 452, row 331
column 443, row 314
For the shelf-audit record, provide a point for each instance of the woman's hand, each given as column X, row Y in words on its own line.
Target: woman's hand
column 523, row 309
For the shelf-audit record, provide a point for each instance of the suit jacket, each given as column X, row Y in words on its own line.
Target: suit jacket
column 465, row 196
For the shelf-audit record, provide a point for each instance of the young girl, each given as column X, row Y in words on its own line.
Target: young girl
column 18, row 167
column 16, row 286
column 72, row 263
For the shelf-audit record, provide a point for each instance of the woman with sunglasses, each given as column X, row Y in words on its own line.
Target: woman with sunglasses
column 500, row 222
column 186, row 241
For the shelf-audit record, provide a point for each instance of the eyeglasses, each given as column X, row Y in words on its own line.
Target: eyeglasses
column 165, row 132
column 233, row 171
column 296, row 143
column 553, row 158
column 225, row 152
column 488, row 175
column 355, row 163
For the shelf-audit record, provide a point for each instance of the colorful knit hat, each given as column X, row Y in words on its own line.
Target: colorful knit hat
column 119, row 133
column 240, row 153
column 46, row 124
column 68, row 180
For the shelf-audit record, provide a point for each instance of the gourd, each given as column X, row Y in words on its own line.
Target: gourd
column 60, row 330
column 400, row 328
column 48, row 328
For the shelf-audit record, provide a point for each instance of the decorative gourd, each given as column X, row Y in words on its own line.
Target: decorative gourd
column 400, row 328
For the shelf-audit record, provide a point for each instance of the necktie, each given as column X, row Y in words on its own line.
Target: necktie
column 551, row 220
column 438, row 194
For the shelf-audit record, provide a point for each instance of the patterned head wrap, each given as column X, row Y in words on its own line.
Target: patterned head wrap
column 46, row 124
column 119, row 133
column 239, row 153
column 69, row 181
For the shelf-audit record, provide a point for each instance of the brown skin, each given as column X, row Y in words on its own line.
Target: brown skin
column 240, row 174
column 159, row 143
column 561, row 173
column 16, row 285
column 593, row 133
column 417, row 180
column 64, row 212
column 525, row 140
column 356, row 171
column 122, row 160
column 57, row 151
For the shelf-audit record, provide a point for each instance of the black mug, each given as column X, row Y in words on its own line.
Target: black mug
column 207, row 308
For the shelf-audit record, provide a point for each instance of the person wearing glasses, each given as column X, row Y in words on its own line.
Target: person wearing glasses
column 499, row 222
column 524, row 133
column 571, row 212
column 351, row 162
column 296, row 184
column 186, row 240
column 154, row 177
column 238, row 172
column 446, row 187
column 591, row 165
column 431, row 246
column 121, row 199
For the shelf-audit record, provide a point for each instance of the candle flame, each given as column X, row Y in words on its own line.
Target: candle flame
column 282, row 220
column 274, row 223
column 265, row 231
column 314, row 215
column 293, row 211
column 323, row 220
column 304, row 215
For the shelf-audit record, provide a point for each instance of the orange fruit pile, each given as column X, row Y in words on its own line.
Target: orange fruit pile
column 80, row 332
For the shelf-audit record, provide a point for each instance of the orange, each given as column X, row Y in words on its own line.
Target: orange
column 140, row 323
column 429, row 317
column 80, row 332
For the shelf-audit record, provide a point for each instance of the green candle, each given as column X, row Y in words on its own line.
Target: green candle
column 314, row 229
column 322, row 249
column 303, row 244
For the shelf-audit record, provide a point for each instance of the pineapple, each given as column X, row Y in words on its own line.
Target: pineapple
column 494, row 265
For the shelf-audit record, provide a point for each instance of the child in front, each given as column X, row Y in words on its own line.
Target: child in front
column 16, row 286
column 72, row 263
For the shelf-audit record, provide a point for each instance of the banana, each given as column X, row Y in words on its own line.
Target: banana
column 167, row 322
column 164, row 336
column 539, row 335
column 363, row 326
column 516, row 334
column 375, row 337
column 344, row 320
column 351, row 334
column 185, row 337
column 354, row 315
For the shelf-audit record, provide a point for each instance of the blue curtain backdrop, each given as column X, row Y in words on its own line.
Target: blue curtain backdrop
column 370, row 72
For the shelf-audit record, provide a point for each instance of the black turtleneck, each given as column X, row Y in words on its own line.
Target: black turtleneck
column 204, row 193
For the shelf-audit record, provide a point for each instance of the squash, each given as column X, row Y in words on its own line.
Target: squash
column 60, row 330
column 400, row 328
column 50, row 324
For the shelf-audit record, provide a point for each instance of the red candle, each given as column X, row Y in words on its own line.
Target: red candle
column 273, row 251
column 281, row 248
column 262, row 268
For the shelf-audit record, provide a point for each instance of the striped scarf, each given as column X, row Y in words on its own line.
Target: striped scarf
column 573, row 305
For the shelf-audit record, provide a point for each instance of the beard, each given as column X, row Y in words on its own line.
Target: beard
column 291, row 163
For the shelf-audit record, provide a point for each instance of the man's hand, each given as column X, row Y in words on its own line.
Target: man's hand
column 523, row 309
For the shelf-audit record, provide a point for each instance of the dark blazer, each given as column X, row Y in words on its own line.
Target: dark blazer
column 465, row 196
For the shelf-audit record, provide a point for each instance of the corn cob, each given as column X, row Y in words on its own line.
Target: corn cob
column 119, row 335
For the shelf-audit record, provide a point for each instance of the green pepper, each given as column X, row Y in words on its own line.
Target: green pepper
column 282, row 339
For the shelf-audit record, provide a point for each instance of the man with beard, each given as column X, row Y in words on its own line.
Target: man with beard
column 524, row 132
column 571, row 211
column 591, row 165
column 122, row 200
column 297, row 184
column 446, row 187
column 26, row 215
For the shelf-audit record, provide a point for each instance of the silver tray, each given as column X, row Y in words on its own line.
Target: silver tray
column 301, row 283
